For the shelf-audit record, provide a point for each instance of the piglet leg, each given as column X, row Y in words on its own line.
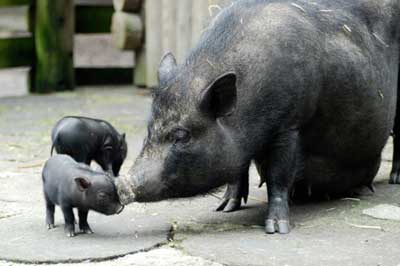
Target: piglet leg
column 69, row 221
column 50, row 208
column 83, row 224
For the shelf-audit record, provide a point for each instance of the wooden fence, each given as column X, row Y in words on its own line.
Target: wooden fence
column 170, row 26
column 48, row 45
column 150, row 29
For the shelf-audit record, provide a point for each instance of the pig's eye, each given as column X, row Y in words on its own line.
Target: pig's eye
column 102, row 197
column 181, row 136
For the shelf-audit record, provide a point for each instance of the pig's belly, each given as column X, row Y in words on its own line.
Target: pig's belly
column 343, row 150
column 323, row 175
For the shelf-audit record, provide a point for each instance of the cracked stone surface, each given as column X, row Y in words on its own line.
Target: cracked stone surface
column 332, row 232
column 159, row 257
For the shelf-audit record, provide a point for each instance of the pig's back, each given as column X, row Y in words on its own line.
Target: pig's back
column 57, row 176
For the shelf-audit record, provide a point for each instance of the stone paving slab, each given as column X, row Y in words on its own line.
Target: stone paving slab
column 160, row 257
column 325, row 233
column 25, row 238
column 384, row 211
column 25, row 125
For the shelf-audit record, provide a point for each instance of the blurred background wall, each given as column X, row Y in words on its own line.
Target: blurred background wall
column 48, row 45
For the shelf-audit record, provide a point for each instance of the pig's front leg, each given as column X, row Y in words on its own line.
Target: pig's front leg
column 69, row 221
column 279, row 171
column 83, row 224
column 234, row 194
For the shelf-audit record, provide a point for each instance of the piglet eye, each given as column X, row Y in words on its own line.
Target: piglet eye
column 102, row 196
column 181, row 136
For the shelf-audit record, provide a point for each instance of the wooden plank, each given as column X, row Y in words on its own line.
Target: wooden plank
column 127, row 5
column 16, row 50
column 54, row 31
column 8, row 3
column 139, row 73
column 104, row 76
column 127, row 31
column 93, row 19
column 153, row 40
column 93, row 2
column 168, row 26
column 183, row 29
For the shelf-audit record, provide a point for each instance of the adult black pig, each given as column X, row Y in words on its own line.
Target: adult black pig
column 86, row 139
column 75, row 185
column 305, row 89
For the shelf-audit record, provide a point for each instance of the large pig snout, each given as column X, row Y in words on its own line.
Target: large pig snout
column 125, row 190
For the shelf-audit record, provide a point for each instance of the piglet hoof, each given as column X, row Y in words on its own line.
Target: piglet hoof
column 86, row 230
column 229, row 205
column 69, row 232
column 50, row 226
column 280, row 226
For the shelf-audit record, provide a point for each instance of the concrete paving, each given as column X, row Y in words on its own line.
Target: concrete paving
column 180, row 232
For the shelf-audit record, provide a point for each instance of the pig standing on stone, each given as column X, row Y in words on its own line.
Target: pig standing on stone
column 86, row 139
column 75, row 185
column 306, row 90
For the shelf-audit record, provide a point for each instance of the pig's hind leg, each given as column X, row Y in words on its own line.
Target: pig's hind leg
column 69, row 221
column 50, row 209
column 395, row 173
column 234, row 194
column 83, row 224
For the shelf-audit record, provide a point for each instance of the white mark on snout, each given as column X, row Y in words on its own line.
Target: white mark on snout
column 380, row 40
column 298, row 7
column 347, row 28
column 241, row 21
column 326, row 10
column 381, row 94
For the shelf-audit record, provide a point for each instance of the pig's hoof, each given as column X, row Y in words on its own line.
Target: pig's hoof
column 229, row 205
column 394, row 178
column 70, row 234
column 86, row 230
column 280, row 226
column 50, row 226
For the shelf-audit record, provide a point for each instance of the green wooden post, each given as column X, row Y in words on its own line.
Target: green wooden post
column 8, row 3
column 54, row 38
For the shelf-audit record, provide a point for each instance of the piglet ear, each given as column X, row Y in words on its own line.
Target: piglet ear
column 219, row 99
column 83, row 183
column 123, row 136
column 167, row 69
column 108, row 143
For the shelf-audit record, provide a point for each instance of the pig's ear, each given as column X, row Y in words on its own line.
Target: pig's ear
column 83, row 183
column 122, row 137
column 108, row 143
column 219, row 99
column 167, row 69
